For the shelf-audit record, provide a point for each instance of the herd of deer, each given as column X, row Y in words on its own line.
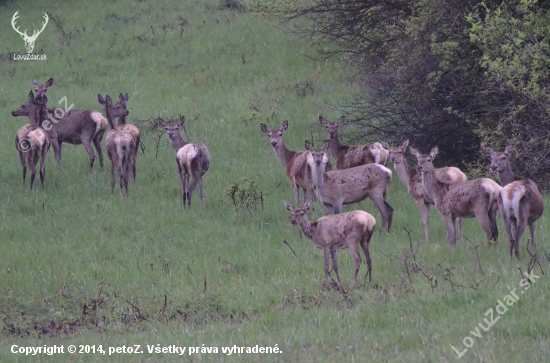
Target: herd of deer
column 51, row 127
column 360, row 173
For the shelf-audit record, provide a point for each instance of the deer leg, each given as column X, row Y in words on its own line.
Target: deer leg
column 97, row 144
column 91, row 156
column 532, row 231
column 493, row 221
column 201, row 195
column 357, row 259
column 482, row 216
column 138, row 140
column 381, row 204
column 182, row 183
column 32, row 165
column 334, row 257
column 424, row 209
column 521, row 223
column 23, row 165
column 43, row 152
column 112, row 177
column 451, row 233
column 326, row 253
column 57, row 151
column 365, row 246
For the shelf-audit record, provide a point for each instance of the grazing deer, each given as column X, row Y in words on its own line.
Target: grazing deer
column 295, row 163
column 413, row 181
column 119, row 143
column 351, row 156
column 470, row 199
column 520, row 201
column 32, row 142
column 131, row 129
column 336, row 232
column 71, row 126
column 348, row 186
column 193, row 161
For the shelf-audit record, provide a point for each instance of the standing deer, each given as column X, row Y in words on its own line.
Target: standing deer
column 295, row 163
column 413, row 181
column 347, row 186
column 336, row 232
column 73, row 126
column 520, row 201
column 32, row 142
column 351, row 156
column 131, row 129
column 119, row 143
column 470, row 199
column 193, row 161
column 29, row 40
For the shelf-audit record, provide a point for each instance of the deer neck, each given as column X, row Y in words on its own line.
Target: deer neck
column 283, row 154
column 178, row 142
column 506, row 176
column 121, row 121
column 432, row 185
column 308, row 228
column 335, row 146
column 109, row 115
column 404, row 171
column 317, row 172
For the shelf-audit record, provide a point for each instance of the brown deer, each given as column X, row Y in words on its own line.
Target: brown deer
column 71, row 126
column 295, row 163
column 32, row 142
column 131, row 129
column 470, row 199
column 119, row 143
column 347, row 186
column 413, row 181
column 333, row 233
column 520, row 201
column 351, row 156
column 193, row 161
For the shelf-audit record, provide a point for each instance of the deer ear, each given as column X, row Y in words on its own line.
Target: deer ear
column 264, row 128
column 108, row 100
column 509, row 150
column 385, row 145
column 31, row 95
column 326, row 145
column 307, row 205
column 126, row 97
column 322, row 120
column 341, row 120
column 100, row 99
column 289, row 207
column 34, row 82
column 404, row 145
column 161, row 122
column 309, row 145
column 487, row 150
column 49, row 82
column 284, row 125
column 414, row 152
column 434, row 151
column 181, row 121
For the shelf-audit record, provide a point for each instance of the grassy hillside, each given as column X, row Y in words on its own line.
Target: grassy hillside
column 80, row 266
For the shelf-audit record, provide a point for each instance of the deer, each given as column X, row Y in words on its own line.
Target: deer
column 131, row 129
column 29, row 40
column 476, row 198
column 335, row 232
column 351, row 156
column 520, row 201
column 295, row 163
column 75, row 127
column 413, row 181
column 347, row 186
column 32, row 142
column 193, row 160
column 119, row 143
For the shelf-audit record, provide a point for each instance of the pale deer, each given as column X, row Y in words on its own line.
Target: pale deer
column 470, row 199
column 520, row 201
column 351, row 156
column 119, row 143
column 75, row 127
column 347, row 186
column 413, row 181
column 193, row 161
column 333, row 233
column 131, row 129
column 295, row 163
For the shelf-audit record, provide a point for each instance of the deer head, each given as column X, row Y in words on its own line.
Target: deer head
column 29, row 40
column 41, row 89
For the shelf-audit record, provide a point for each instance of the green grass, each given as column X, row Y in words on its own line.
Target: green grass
column 80, row 266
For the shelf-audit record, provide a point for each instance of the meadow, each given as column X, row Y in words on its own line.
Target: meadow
column 79, row 266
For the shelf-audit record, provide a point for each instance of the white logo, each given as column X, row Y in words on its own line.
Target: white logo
column 29, row 40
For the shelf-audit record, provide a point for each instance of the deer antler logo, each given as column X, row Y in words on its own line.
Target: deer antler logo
column 29, row 40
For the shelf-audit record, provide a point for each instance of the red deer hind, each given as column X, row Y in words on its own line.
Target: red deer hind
column 347, row 186
column 413, row 181
column 520, row 201
column 131, row 129
column 351, row 156
column 295, row 163
column 193, row 161
column 333, row 233
column 120, row 145
column 471, row 199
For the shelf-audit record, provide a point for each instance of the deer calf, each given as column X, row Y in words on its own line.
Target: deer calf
column 413, row 181
column 193, row 161
column 346, row 186
column 333, row 233
column 471, row 199
column 520, row 201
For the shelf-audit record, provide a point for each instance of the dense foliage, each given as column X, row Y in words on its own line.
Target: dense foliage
column 446, row 72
